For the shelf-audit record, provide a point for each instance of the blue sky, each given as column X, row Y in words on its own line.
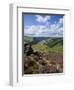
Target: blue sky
column 43, row 25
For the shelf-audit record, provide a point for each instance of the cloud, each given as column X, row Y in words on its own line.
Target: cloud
column 61, row 20
column 54, row 30
column 57, row 25
column 42, row 19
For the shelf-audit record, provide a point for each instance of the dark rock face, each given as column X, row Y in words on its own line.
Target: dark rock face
column 28, row 49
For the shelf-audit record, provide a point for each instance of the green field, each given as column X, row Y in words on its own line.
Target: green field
column 44, row 48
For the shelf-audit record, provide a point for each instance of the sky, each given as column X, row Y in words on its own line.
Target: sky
column 39, row 25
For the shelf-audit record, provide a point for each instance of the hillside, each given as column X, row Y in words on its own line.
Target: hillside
column 44, row 55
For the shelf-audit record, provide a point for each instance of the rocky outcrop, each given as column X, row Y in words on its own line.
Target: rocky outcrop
column 28, row 49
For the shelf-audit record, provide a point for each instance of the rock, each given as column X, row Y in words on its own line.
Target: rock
column 28, row 49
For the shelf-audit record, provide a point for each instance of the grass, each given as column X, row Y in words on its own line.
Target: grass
column 44, row 48
column 40, row 47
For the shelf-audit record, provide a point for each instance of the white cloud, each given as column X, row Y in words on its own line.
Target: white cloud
column 42, row 19
column 54, row 30
column 60, row 20
column 57, row 25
